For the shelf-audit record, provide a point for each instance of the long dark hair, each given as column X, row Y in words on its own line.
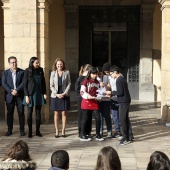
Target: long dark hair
column 159, row 161
column 30, row 67
column 92, row 70
column 108, row 159
column 19, row 151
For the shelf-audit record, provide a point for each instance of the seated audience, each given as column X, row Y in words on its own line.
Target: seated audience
column 108, row 159
column 60, row 160
column 159, row 161
column 18, row 158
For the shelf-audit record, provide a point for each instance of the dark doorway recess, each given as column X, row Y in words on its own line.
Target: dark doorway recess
column 111, row 33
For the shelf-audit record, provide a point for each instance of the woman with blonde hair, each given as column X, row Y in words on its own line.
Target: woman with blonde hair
column 18, row 158
column 60, row 83
column 108, row 159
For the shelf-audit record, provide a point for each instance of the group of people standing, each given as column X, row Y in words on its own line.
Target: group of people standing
column 116, row 100
column 28, row 88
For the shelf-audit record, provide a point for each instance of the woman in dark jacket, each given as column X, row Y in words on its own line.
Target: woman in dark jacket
column 34, row 92
column 18, row 158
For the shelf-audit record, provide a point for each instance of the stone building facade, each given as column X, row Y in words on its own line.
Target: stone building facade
column 134, row 32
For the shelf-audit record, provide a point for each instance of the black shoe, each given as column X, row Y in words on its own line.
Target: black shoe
column 64, row 136
column 38, row 134
column 84, row 138
column 29, row 135
column 131, row 138
column 57, row 136
column 22, row 133
column 8, row 133
column 99, row 138
column 116, row 135
column 89, row 136
column 124, row 142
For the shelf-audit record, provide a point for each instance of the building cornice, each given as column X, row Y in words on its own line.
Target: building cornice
column 164, row 3
column 161, row 1
column 6, row 4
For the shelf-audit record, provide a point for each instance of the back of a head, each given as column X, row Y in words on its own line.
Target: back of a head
column 19, row 151
column 60, row 159
column 159, row 161
column 108, row 159
column 84, row 68
column 106, row 66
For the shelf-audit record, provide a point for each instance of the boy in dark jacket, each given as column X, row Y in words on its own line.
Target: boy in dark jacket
column 124, row 100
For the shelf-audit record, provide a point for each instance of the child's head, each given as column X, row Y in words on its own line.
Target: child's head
column 60, row 159
column 19, row 151
column 84, row 68
column 108, row 159
column 106, row 67
column 114, row 71
column 92, row 74
column 158, row 161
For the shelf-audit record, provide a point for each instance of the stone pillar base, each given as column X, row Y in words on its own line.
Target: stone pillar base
column 147, row 92
column 165, row 112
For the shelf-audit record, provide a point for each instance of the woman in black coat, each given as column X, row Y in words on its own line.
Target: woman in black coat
column 34, row 92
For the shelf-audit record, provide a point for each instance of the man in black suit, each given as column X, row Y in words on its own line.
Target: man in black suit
column 12, row 82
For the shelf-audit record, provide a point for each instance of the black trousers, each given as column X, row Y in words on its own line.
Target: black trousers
column 79, row 99
column 17, row 101
column 86, row 124
column 124, row 119
column 38, row 117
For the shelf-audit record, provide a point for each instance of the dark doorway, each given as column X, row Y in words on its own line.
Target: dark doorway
column 111, row 34
column 110, row 45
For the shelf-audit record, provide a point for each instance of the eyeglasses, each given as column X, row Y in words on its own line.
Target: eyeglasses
column 13, row 62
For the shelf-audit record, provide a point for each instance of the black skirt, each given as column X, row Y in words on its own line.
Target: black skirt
column 60, row 104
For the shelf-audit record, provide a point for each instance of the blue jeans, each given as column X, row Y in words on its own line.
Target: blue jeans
column 115, row 115
column 104, row 110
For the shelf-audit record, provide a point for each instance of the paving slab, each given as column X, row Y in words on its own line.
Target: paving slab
column 150, row 136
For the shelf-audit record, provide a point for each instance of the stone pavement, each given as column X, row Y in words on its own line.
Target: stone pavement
column 149, row 137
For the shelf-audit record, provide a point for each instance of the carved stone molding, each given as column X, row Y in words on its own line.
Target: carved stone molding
column 44, row 4
column 6, row 4
column 161, row 1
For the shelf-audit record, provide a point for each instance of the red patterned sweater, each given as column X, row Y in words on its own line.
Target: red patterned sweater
column 89, row 87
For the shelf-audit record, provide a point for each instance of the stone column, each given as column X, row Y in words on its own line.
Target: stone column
column 72, row 41
column 43, row 46
column 165, row 60
column 7, row 31
column 146, row 88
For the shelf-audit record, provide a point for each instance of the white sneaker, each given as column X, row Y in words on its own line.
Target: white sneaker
column 109, row 135
column 85, row 138
column 99, row 138
column 120, row 138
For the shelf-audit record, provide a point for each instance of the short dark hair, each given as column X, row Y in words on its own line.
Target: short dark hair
column 115, row 68
column 158, row 161
column 60, row 159
column 106, row 66
column 11, row 57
